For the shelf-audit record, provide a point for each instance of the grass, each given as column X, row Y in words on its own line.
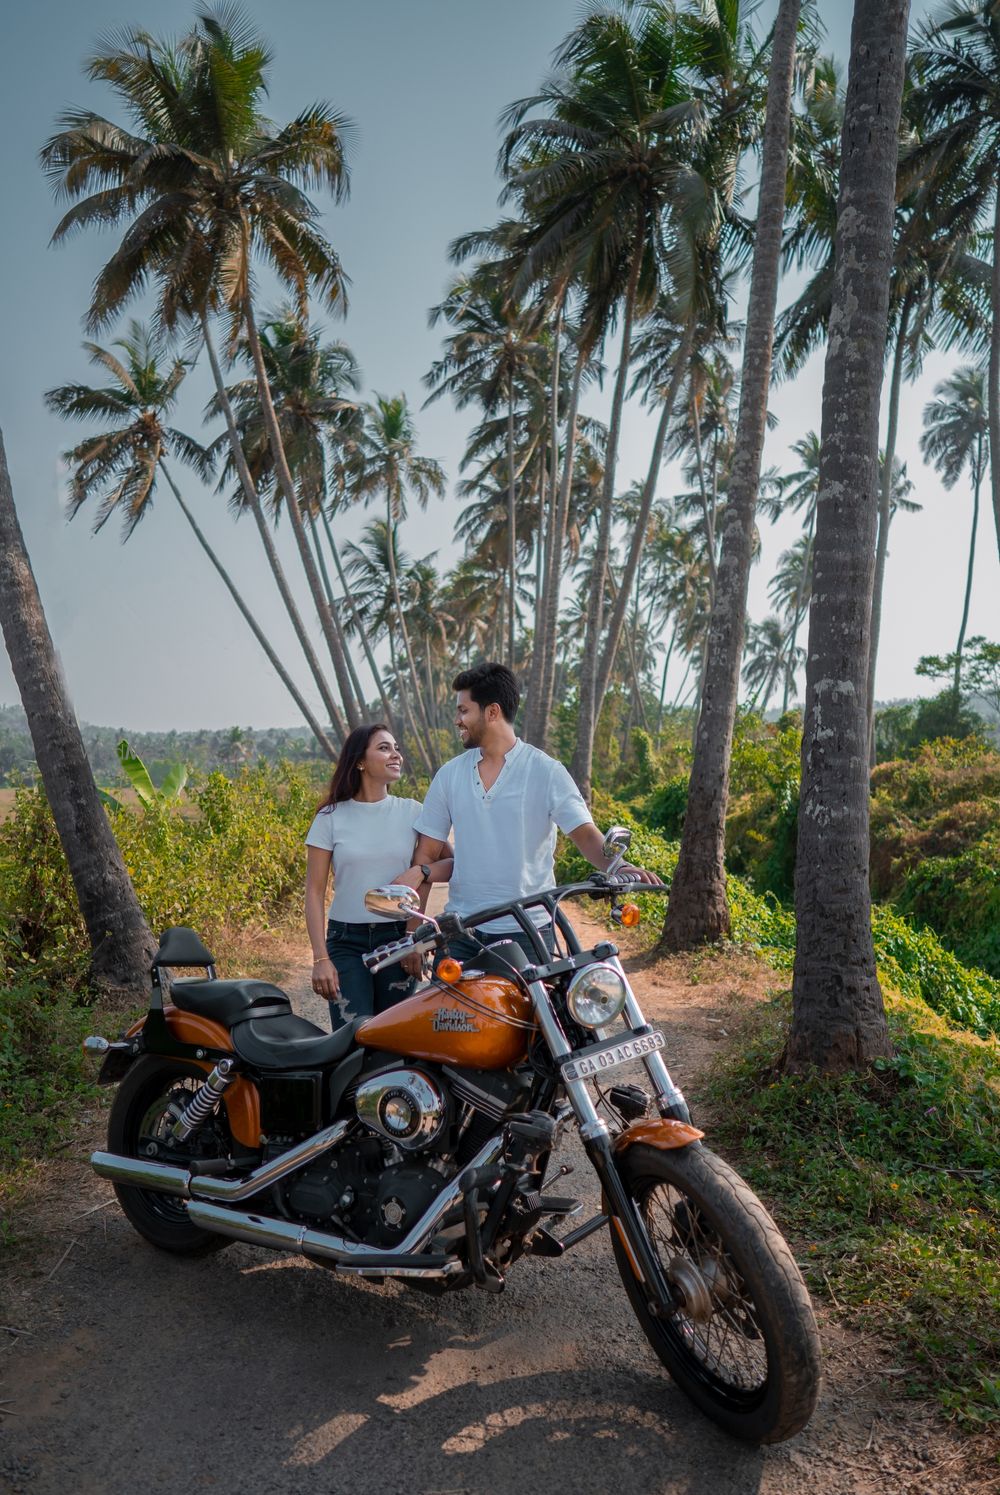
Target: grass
column 892, row 1179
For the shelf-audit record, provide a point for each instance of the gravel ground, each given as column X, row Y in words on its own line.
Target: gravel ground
column 255, row 1372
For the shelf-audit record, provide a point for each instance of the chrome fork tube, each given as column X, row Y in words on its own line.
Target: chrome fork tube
column 669, row 1098
column 591, row 1124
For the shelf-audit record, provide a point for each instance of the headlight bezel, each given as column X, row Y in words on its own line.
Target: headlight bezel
column 600, row 1016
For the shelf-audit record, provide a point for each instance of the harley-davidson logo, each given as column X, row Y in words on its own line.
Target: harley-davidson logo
column 453, row 1020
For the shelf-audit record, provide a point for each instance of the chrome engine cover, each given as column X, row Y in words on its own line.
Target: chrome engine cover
column 404, row 1105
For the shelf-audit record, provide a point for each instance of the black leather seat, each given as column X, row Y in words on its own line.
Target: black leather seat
column 230, row 1002
column 290, row 1042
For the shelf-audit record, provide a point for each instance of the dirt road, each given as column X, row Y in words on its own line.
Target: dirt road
column 252, row 1372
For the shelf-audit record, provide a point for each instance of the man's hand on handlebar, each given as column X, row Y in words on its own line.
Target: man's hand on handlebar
column 638, row 874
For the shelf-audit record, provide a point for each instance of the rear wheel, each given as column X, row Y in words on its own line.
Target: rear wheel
column 149, row 1100
column 742, row 1342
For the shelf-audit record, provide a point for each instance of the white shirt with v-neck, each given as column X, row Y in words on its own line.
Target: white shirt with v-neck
column 505, row 836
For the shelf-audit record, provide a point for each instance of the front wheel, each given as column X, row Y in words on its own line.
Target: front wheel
column 742, row 1342
column 149, row 1100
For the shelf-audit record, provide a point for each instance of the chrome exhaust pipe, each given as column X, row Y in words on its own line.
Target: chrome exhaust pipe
column 331, row 1250
column 205, row 1186
column 163, row 1178
column 140, row 1173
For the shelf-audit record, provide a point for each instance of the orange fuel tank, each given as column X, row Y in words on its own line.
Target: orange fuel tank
column 483, row 1023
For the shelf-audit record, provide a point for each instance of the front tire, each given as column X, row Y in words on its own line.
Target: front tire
column 743, row 1342
column 148, row 1100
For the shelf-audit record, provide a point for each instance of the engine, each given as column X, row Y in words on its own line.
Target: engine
column 406, row 1106
column 423, row 1127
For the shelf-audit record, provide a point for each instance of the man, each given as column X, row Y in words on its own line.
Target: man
column 504, row 799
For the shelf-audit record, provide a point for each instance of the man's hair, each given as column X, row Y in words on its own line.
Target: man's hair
column 490, row 684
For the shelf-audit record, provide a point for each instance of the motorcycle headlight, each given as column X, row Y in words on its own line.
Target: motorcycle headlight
column 595, row 996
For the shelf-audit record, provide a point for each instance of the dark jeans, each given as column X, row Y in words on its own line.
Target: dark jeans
column 465, row 949
column 361, row 993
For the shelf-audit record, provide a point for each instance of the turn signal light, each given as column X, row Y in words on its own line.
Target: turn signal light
column 630, row 915
column 449, row 970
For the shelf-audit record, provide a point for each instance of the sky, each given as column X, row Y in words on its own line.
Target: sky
column 147, row 637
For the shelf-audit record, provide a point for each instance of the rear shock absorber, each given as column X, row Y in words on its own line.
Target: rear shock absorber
column 204, row 1101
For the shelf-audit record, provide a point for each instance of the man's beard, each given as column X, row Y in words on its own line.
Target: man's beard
column 471, row 739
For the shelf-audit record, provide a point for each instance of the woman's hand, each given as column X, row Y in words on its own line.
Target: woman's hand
column 325, row 981
column 413, row 964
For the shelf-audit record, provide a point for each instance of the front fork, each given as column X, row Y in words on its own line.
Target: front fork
column 596, row 1139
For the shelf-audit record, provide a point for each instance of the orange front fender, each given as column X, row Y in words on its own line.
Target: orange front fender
column 659, row 1133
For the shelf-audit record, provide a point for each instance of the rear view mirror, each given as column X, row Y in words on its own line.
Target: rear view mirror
column 394, row 901
column 616, row 844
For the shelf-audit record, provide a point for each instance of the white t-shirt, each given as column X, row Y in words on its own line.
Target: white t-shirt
column 370, row 842
column 505, row 837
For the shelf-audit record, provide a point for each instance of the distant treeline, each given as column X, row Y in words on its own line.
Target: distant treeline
column 203, row 750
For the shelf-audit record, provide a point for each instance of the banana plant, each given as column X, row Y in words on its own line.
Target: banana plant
column 145, row 790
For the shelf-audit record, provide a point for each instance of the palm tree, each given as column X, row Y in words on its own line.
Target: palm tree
column 698, row 910
column 493, row 351
column 388, row 466
column 120, row 942
column 311, row 385
column 205, row 186
column 121, row 464
column 764, row 660
column 838, row 1018
column 957, row 61
column 790, row 589
column 956, row 436
column 593, row 172
column 379, row 573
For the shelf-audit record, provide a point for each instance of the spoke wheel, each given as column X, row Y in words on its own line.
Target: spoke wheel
column 742, row 1340
column 149, row 1100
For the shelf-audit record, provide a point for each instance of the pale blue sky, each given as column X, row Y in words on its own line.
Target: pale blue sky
column 146, row 635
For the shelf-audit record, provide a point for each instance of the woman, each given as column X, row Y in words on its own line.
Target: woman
column 367, row 834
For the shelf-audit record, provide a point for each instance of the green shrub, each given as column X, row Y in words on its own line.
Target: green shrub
column 42, row 1073
column 665, row 808
column 894, row 1179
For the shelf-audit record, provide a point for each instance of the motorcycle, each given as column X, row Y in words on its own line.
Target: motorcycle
column 415, row 1144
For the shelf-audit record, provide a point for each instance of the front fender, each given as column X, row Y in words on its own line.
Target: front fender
column 660, row 1133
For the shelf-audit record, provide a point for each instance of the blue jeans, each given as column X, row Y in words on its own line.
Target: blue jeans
column 361, row 993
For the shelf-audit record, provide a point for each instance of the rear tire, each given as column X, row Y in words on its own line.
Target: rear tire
column 146, row 1103
column 743, row 1344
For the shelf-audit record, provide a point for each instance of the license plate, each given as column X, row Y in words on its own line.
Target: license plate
column 609, row 1055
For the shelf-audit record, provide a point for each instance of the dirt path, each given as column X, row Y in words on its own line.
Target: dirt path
column 253, row 1372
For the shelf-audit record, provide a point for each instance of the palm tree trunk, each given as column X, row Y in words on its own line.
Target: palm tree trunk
column 663, row 684
column 511, row 537
column 539, row 661
column 697, row 910
column 793, row 633
column 707, row 509
column 590, row 703
column 885, row 516
column 287, row 485
column 976, row 480
column 407, row 707
column 429, row 754
column 358, row 622
column 645, row 506
column 546, row 686
column 994, row 368
column 331, row 603
column 325, row 744
column 838, row 1018
column 120, row 942
column 267, row 539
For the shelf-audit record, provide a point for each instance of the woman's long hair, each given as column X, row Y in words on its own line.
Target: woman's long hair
column 346, row 779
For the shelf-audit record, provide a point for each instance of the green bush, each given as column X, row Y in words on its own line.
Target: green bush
column 894, row 1179
column 42, row 1073
column 231, row 856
